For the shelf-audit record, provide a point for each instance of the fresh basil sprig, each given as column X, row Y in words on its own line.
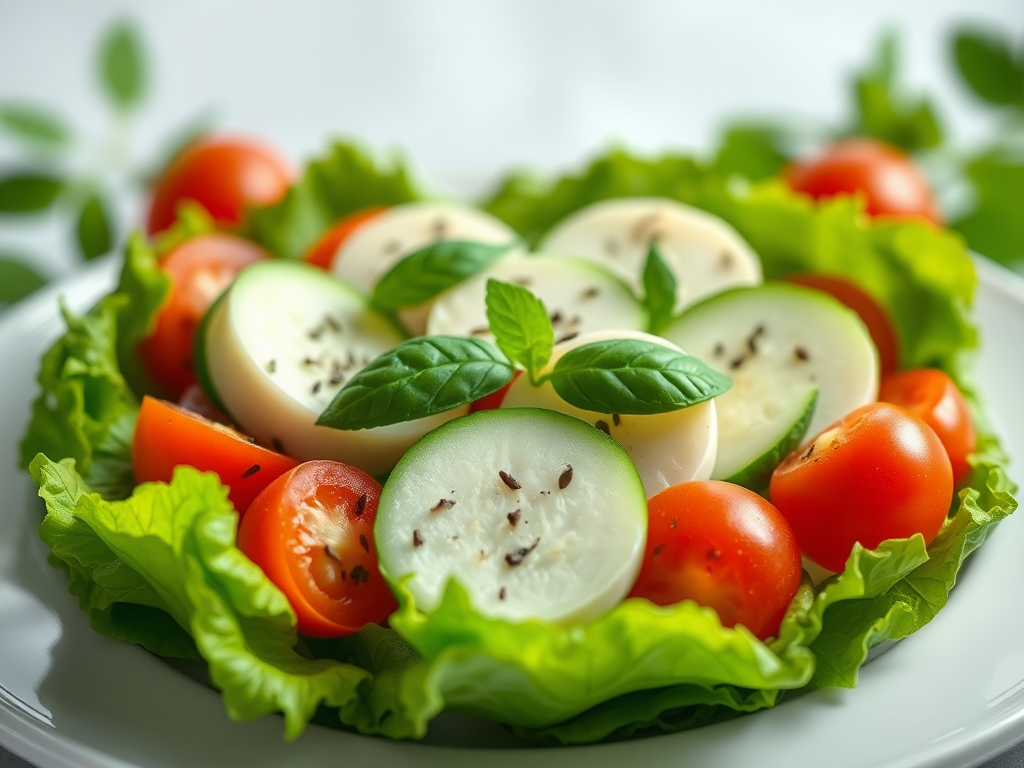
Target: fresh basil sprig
column 521, row 326
column 659, row 290
column 418, row 378
column 633, row 376
column 424, row 274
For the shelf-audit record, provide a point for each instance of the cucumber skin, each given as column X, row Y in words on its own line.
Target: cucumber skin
column 201, row 370
column 758, row 473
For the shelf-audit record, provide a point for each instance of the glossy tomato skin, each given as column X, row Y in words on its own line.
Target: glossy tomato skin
column 200, row 269
column 870, row 312
column 879, row 473
column 311, row 531
column 933, row 396
column 224, row 175
column 321, row 253
column 495, row 399
column 167, row 435
column 890, row 183
column 723, row 547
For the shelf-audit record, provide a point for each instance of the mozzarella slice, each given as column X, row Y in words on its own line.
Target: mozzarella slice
column 536, row 514
column 667, row 448
column 705, row 254
column 281, row 343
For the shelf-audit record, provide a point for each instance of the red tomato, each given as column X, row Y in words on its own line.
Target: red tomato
column 167, row 435
column 869, row 311
column 933, row 396
column 223, row 175
column 311, row 532
column 493, row 400
column 723, row 547
column 200, row 269
column 891, row 184
column 194, row 399
column 880, row 473
column 321, row 253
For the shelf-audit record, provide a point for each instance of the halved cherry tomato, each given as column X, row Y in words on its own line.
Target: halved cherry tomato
column 890, row 183
column 167, row 435
column 879, row 473
column 493, row 400
column 200, row 269
column 870, row 312
column 224, row 175
column 933, row 396
column 723, row 547
column 321, row 253
column 311, row 532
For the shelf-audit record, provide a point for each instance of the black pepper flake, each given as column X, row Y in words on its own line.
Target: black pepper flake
column 565, row 478
column 737, row 361
column 590, row 293
column 336, row 379
column 333, row 324
column 310, row 361
column 714, row 554
column 359, row 574
column 556, row 317
column 277, row 444
column 482, row 330
column 674, row 523
column 725, row 260
column 616, row 420
column 501, row 593
column 392, row 246
column 360, row 506
column 443, row 504
column 440, row 228
column 719, row 349
column 517, row 556
column 417, row 538
column 316, row 387
column 523, row 281
column 809, row 452
column 272, row 366
column 508, row 480
column 330, row 553
column 364, row 543
column 567, row 337
column 801, row 354
column 602, row 425
column 657, row 550
column 513, row 517
column 251, row 471
column 754, row 338
column 317, row 332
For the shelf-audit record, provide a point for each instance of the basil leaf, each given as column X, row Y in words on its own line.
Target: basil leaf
column 122, row 67
column 630, row 376
column 17, row 279
column 422, row 275
column 420, row 377
column 34, row 124
column 986, row 63
column 29, row 192
column 521, row 325
column 994, row 226
column 94, row 235
column 659, row 290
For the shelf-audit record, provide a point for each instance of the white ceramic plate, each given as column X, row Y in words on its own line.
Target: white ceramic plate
column 953, row 694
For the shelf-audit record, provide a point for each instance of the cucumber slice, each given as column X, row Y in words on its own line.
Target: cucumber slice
column 376, row 246
column 538, row 515
column 279, row 346
column 778, row 342
column 667, row 448
column 705, row 254
column 580, row 296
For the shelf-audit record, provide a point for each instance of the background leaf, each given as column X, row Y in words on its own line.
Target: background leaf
column 94, row 230
column 422, row 275
column 17, row 278
column 986, row 63
column 995, row 226
column 29, row 192
column 659, row 290
column 35, row 125
column 122, row 66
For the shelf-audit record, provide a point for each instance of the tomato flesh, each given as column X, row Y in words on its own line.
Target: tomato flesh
column 723, row 547
column 879, row 473
column 933, row 396
column 321, row 253
column 311, row 531
column 167, row 435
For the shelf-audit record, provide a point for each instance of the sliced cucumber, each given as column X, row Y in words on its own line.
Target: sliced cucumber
column 667, row 448
column 778, row 342
column 376, row 246
column 277, row 348
column 580, row 296
column 705, row 254
column 538, row 515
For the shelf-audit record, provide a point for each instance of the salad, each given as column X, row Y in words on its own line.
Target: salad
column 371, row 455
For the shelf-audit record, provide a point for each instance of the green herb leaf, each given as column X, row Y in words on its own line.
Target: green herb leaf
column 754, row 151
column 29, row 192
column 94, row 235
column 659, row 290
column 34, row 124
column 994, row 227
column 521, row 325
column 986, row 63
column 17, row 279
column 190, row 220
column 420, row 377
column 633, row 376
column 122, row 66
column 422, row 275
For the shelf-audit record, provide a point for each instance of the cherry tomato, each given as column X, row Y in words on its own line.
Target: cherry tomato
column 870, row 312
column 321, row 253
column 493, row 400
column 723, row 547
column 311, row 531
column 167, row 435
column 891, row 184
column 933, row 396
column 879, row 473
column 200, row 269
column 224, row 175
